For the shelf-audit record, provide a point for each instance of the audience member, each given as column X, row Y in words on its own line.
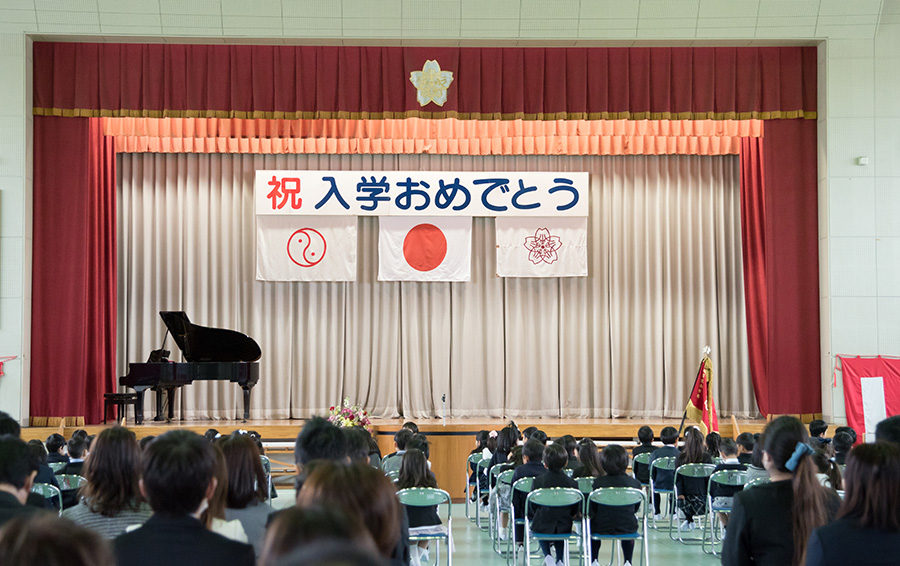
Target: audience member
column 589, row 459
column 16, row 478
column 145, row 441
column 756, row 468
column 374, row 452
column 849, row 430
column 213, row 517
column 111, row 499
column 297, row 527
column 56, row 447
column 357, row 443
column 723, row 495
column 889, row 430
column 212, row 434
column 38, row 455
column 317, row 440
column 540, row 436
column 843, row 443
column 414, row 472
column 867, row 530
column 571, row 446
column 746, row 442
column 692, row 490
column 9, row 425
column 46, row 540
column 419, row 442
column 827, row 471
column 364, row 493
column 247, row 487
column 817, row 429
column 609, row 520
column 411, row 426
column 76, row 448
column 770, row 523
column 645, row 437
column 331, row 553
column 178, row 481
column 533, row 466
column 391, row 462
column 664, row 479
column 713, row 442
column 553, row 520
column 526, row 434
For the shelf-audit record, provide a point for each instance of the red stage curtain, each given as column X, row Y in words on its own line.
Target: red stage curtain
column 74, row 273
column 261, row 81
column 779, row 224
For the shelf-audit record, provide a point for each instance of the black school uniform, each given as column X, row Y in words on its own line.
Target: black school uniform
column 609, row 520
column 553, row 520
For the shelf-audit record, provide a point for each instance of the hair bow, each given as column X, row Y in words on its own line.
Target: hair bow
column 800, row 451
column 493, row 434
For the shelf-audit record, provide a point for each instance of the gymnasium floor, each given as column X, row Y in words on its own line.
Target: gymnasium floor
column 473, row 546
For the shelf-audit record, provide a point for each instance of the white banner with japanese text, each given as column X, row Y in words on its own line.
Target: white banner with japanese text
column 421, row 193
column 306, row 248
column 542, row 247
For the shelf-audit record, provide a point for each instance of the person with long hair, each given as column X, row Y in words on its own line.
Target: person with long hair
column 713, row 445
column 692, row 491
column 414, row 472
column 247, row 487
column 111, row 501
column 827, row 471
column 213, row 517
column 366, row 494
column 770, row 524
column 43, row 539
column 867, row 530
column 296, row 527
column 589, row 458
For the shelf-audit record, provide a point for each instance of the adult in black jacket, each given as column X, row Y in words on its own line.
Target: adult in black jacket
column 868, row 527
column 553, row 520
column 16, row 477
column 178, row 480
column 614, row 520
column 770, row 524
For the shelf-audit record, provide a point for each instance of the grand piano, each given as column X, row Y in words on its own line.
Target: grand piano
column 209, row 353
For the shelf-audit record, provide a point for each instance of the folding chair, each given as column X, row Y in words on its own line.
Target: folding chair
column 667, row 464
column 728, row 479
column 57, row 466
column 471, row 473
column 393, row 475
column 68, row 484
column 267, row 467
column 618, row 497
column 49, row 491
column 503, row 479
column 641, row 462
column 555, row 497
column 696, row 471
column 430, row 497
column 757, row 481
column 481, row 468
column 522, row 485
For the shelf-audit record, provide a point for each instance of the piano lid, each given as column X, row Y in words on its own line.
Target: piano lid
column 204, row 344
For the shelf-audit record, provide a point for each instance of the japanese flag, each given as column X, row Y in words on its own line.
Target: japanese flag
column 305, row 248
column 422, row 248
column 541, row 247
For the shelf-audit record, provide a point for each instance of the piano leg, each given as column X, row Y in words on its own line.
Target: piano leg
column 139, row 407
column 160, row 409
column 170, row 397
column 246, row 389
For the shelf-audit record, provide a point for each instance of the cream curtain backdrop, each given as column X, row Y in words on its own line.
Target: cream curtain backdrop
column 665, row 279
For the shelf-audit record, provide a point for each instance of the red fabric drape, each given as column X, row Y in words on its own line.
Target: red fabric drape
column 73, row 345
column 779, row 224
column 306, row 82
column 853, row 370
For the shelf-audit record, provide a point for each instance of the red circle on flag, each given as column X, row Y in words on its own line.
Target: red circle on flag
column 425, row 247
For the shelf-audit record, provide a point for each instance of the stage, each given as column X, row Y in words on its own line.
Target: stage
column 451, row 442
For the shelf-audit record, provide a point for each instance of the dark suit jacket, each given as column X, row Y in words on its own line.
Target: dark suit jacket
column 56, row 457
column 664, row 479
column 178, row 541
column 614, row 520
column 11, row 508
column 845, row 542
column 526, row 470
column 642, row 472
column 760, row 531
column 718, row 490
column 72, row 468
column 553, row 519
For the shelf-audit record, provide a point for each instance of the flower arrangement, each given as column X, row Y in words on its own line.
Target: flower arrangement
column 349, row 415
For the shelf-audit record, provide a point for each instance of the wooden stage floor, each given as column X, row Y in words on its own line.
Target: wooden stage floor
column 451, row 442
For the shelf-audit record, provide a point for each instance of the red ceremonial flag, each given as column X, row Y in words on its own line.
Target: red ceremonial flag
column 701, row 408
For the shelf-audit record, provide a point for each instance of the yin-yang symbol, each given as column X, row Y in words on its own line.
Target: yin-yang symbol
column 306, row 247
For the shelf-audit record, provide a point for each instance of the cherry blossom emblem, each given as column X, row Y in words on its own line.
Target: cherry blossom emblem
column 431, row 83
column 542, row 246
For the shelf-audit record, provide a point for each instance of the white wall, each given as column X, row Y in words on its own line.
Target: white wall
column 859, row 72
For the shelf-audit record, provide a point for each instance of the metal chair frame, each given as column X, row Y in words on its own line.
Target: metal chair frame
column 691, row 471
column 503, row 478
column 524, row 485
column 665, row 463
column 66, row 481
column 427, row 497
column 731, row 478
column 57, row 466
column 267, row 467
column 472, row 459
column 49, row 491
column 616, row 497
column 756, row 482
column 482, row 466
column 644, row 460
column 555, row 497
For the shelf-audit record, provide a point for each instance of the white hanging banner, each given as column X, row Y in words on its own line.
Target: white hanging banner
column 542, row 247
column 306, row 248
column 421, row 193
column 412, row 248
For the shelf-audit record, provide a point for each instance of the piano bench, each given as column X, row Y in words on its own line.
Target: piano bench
column 120, row 400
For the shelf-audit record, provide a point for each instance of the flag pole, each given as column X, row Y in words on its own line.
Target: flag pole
column 706, row 352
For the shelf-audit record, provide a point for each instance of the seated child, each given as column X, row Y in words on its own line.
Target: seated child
column 614, row 520
column 554, row 520
column 723, row 495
